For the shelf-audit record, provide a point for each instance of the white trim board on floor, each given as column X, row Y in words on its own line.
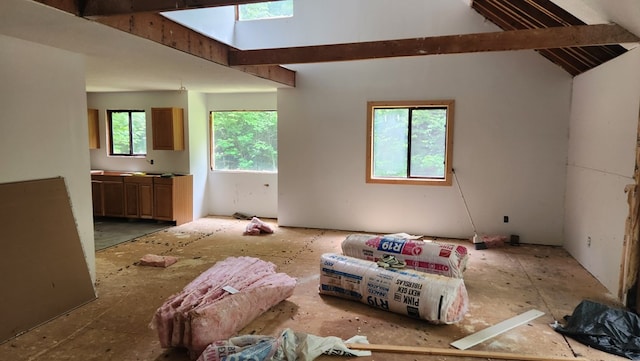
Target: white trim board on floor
column 492, row 331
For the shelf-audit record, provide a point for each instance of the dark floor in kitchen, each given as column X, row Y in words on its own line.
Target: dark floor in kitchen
column 109, row 232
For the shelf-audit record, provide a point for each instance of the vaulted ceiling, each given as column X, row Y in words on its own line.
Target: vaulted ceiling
column 539, row 14
column 539, row 25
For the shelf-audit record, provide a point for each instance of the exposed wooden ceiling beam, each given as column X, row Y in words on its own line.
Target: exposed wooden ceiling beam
column 157, row 28
column 96, row 8
column 528, row 39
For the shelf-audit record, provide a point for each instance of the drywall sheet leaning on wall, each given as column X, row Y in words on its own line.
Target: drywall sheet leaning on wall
column 43, row 268
column 434, row 298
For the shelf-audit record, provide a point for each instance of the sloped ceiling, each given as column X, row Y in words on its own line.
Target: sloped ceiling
column 118, row 61
column 537, row 14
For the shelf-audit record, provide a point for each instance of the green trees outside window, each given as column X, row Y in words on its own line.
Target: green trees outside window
column 127, row 132
column 245, row 140
column 265, row 10
column 409, row 142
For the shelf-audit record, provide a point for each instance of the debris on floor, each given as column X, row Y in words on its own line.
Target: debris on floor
column 434, row 298
column 220, row 302
column 154, row 260
column 494, row 241
column 241, row 215
column 612, row 330
column 289, row 345
column 404, row 235
column 431, row 257
column 257, row 226
column 497, row 329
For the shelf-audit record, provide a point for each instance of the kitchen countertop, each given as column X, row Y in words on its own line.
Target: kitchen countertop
column 129, row 174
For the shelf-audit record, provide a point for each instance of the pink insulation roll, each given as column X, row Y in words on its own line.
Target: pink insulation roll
column 431, row 257
column 434, row 298
column 220, row 302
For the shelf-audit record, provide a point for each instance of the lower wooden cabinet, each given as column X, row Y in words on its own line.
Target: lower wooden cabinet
column 107, row 195
column 173, row 199
column 138, row 197
column 96, row 197
column 147, row 197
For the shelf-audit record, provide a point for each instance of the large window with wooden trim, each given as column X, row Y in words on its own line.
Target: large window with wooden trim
column 265, row 10
column 127, row 132
column 244, row 141
column 410, row 142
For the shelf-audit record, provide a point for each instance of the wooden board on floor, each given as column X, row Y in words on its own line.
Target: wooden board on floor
column 43, row 269
column 489, row 332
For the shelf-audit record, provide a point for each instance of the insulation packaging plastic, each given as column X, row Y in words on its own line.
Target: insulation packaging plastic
column 291, row 345
column 434, row 298
column 220, row 302
column 431, row 257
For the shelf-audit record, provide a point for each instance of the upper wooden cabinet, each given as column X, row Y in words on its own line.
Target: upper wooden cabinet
column 167, row 125
column 94, row 126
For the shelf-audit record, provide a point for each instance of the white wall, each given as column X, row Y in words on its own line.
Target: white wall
column 604, row 123
column 43, row 125
column 510, row 135
column 163, row 160
column 319, row 22
column 197, row 117
column 217, row 22
column 247, row 192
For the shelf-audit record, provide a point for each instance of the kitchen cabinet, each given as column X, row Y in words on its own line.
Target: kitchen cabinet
column 108, row 196
column 138, row 197
column 94, row 128
column 96, row 197
column 120, row 194
column 173, row 199
column 167, row 125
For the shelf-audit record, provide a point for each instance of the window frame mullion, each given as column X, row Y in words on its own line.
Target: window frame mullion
column 409, row 132
column 131, row 151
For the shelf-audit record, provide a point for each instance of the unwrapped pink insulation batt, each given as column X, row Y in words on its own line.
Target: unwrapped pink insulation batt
column 434, row 298
column 431, row 257
column 204, row 312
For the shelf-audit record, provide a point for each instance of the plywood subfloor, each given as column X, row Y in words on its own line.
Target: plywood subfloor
column 502, row 283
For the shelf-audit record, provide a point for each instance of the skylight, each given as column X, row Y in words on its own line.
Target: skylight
column 265, row 10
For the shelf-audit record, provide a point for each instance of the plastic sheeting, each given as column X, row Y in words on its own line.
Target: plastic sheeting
column 431, row 257
column 607, row 329
column 434, row 298
column 290, row 346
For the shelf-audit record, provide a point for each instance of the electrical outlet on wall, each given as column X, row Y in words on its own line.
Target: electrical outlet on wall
column 589, row 241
